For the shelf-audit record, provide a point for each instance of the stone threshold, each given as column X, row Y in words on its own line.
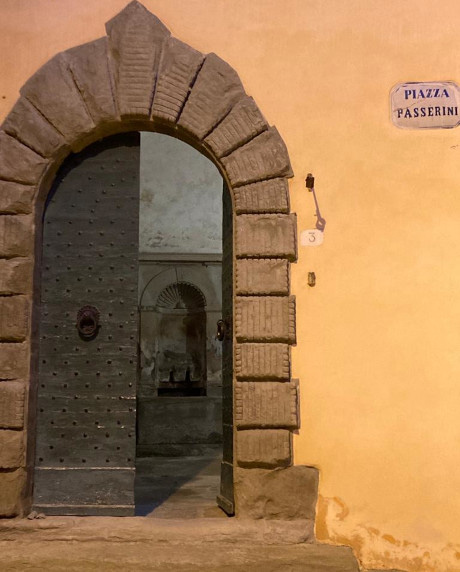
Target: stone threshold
column 106, row 544
column 162, row 530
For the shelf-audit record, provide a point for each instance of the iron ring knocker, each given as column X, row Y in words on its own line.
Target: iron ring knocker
column 88, row 322
column 221, row 330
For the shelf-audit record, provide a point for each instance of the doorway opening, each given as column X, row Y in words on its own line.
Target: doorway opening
column 179, row 415
column 129, row 417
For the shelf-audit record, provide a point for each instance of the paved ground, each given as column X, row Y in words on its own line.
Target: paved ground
column 178, row 487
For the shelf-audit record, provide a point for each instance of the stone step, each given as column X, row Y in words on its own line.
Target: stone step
column 205, row 545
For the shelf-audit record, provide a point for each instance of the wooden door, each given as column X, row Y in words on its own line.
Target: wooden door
column 86, row 418
column 226, row 498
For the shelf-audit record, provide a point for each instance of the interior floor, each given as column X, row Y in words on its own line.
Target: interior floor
column 178, row 487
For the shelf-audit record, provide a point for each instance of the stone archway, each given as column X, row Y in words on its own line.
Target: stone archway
column 139, row 77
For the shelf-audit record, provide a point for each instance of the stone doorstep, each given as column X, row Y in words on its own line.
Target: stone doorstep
column 112, row 543
column 168, row 530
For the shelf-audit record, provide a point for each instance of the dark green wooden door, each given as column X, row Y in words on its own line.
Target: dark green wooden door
column 226, row 498
column 86, row 416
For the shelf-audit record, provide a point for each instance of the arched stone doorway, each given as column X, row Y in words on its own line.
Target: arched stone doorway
column 138, row 77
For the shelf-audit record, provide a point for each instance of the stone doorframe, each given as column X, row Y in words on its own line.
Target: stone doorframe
column 139, row 77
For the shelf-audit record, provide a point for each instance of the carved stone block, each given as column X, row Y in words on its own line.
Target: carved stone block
column 14, row 318
column 242, row 124
column 216, row 90
column 16, row 276
column 270, row 196
column 53, row 92
column 263, row 448
column 18, row 162
column 89, row 65
column 16, row 198
column 14, row 361
column 266, row 235
column 265, row 318
column 136, row 38
column 262, row 362
column 264, row 157
column 12, row 404
column 178, row 68
column 11, row 449
column 11, row 487
column 262, row 276
column 16, row 235
column 264, row 404
column 25, row 123
column 286, row 494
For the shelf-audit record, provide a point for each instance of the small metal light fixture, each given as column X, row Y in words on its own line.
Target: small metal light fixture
column 310, row 182
column 311, row 279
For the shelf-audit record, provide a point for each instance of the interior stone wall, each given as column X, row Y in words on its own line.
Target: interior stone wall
column 139, row 77
column 179, row 425
column 181, row 198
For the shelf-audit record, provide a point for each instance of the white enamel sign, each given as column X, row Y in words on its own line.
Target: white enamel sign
column 430, row 105
column 311, row 237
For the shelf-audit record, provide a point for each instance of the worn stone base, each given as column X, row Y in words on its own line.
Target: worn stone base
column 204, row 545
column 11, row 487
column 270, row 494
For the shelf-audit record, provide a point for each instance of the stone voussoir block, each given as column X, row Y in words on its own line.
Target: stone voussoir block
column 11, row 487
column 12, row 395
column 52, row 90
column 16, row 276
column 266, row 236
column 270, row 196
column 18, row 163
column 264, row 276
column 265, row 318
column 178, row 68
column 136, row 39
column 216, row 90
column 14, row 318
column 266, row 404
column 28, row 125
column 16, row 198
column 262, row 362
column 11, row 449
column 14, row 361
column 242, row 124
column 89, row 64
column 263, row 448
column 16, row 235
column 264, row 157
column 269, row 494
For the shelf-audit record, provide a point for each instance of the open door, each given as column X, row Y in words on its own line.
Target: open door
column 226, row 498
column 86, row 418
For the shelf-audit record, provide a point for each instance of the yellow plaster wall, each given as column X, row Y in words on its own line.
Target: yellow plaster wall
column 378, row 352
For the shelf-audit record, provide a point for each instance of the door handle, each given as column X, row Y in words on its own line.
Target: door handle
column 88, row 322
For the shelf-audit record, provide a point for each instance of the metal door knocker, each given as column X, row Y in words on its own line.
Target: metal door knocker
column 221, row 329
column 88, row 322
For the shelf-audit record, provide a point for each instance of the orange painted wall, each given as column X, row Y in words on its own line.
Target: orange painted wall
column 378, row 352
